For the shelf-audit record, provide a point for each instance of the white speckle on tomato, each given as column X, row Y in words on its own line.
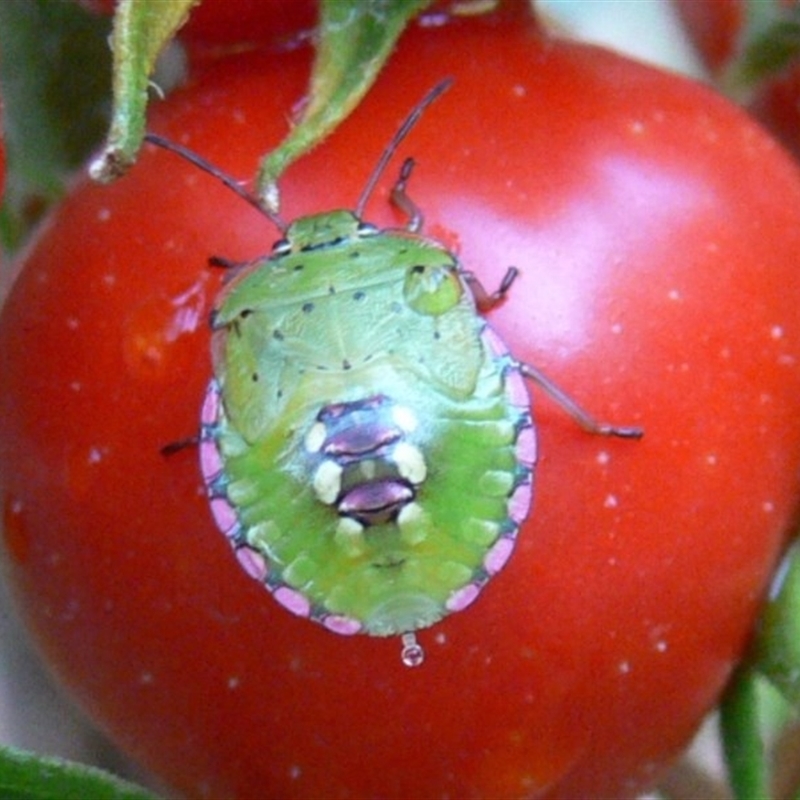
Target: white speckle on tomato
column 624, row 667
column 611, row 501
column 603, row 457
column 616, row 328
column 73, row 323
column 146, row 679
column 295, row 772
column 103, row 214
column 711, row 459
column 776, row 332
column 233, row 682
column 768, row 506
column 674, row 295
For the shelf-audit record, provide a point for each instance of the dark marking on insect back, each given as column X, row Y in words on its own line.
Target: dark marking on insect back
column 364, row 438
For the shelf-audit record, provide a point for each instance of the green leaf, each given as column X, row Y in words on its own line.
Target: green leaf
column 354, row 40
column 26, row 776
column 141, row 30
column 55, row 69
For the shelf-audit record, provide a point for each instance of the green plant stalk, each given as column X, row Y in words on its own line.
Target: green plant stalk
column 742, row 743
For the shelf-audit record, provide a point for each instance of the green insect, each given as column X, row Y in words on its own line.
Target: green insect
column 366, row 440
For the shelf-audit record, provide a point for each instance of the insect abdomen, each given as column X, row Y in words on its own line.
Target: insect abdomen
column 380, row 514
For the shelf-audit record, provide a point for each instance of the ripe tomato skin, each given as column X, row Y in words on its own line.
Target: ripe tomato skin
column 656, row 230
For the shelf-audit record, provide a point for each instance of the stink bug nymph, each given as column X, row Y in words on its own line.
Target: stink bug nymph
column 366, row 439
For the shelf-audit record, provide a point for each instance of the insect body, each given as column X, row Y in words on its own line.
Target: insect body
column 366, row 439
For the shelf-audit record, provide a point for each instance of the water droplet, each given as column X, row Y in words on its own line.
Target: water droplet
column 412, row 654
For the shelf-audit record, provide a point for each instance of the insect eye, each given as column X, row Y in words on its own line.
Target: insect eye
column 432, row 289
column 281, row 247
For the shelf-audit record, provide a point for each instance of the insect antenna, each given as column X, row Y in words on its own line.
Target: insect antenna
column 401, row 134
column 208, row 167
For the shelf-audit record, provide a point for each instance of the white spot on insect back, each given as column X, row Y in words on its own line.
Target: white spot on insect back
column 349, row 536
column 410, row 462
column 404, row 418
column 315, row 437
column 412, row 522
column 410, row 514
column 327, row 482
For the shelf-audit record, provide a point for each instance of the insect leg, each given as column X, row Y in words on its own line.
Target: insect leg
column 232, row 268
column 224, row 263
column 401, row 199
column 175, row 447
column 582, row 417
column 485, row 300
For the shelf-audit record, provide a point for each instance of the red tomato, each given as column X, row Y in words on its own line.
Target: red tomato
column 221, row 22
column 656, row 229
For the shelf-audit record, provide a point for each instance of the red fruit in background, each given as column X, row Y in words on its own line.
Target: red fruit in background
column 714, row 27
column 227, row 22
column 717, row 28
column 656, row 230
